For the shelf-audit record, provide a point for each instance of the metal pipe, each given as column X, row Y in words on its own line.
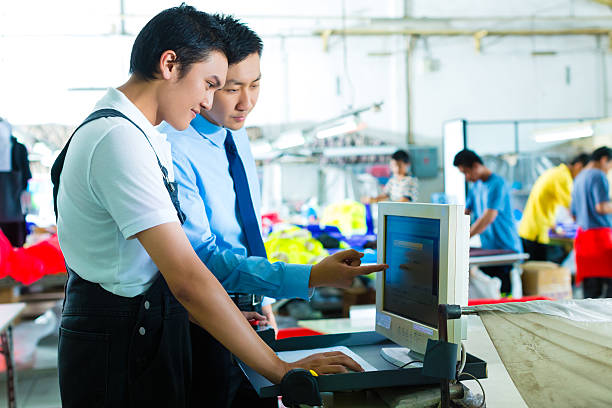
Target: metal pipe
column 472, row 33
column 410, row 43
column 443, row 336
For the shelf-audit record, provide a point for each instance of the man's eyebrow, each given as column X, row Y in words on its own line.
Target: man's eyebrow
column 233, row 82
column 217, row 81
column 240, row 83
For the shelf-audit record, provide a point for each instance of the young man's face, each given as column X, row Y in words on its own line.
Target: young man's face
column 398, row 167
column 472, row 174
column 606, row 164
column 187, row 96
column 234, row 102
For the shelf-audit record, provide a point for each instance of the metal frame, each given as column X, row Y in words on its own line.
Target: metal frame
column 6, row 344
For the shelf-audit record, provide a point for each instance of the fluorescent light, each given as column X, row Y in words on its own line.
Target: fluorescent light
column 292, row 138
column 566, row 133
column 350, row 125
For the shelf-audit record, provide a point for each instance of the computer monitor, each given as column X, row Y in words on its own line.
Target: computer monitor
column 427, row 249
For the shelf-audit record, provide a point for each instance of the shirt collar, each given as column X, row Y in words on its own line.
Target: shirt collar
column 209, row 130
column 116, row 99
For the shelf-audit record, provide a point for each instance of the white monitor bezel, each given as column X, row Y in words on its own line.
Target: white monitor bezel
column 452, row 287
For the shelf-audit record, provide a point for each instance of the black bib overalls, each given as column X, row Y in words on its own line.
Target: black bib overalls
column 116, row 351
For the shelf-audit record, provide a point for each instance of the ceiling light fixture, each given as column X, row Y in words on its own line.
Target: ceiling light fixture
column 565, row 133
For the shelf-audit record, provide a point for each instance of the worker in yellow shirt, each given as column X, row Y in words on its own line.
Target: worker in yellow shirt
column 550, row 191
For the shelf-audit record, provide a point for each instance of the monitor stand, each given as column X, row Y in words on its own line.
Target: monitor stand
column 400, row 356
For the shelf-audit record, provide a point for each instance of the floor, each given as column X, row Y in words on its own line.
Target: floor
column 37, row 387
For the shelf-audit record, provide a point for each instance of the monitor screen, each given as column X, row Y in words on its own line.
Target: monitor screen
column 412, row 251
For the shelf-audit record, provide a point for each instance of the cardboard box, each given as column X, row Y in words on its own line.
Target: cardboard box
column 546, row 279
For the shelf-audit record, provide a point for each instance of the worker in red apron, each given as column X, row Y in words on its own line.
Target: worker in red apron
column 134, row 279
column 592, row 208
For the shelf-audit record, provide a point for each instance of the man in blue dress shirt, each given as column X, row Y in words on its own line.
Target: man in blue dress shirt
column 489, row 202
column 208, row 196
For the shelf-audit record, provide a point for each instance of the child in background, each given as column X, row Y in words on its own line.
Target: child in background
column 401, row 186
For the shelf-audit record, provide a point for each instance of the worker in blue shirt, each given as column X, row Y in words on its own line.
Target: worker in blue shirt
column 591, row 207
column 219, row 193
column 489, row 202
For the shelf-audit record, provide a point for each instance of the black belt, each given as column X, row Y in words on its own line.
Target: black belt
column 246, row 301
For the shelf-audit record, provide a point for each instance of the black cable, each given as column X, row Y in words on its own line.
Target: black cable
column 410, row 362
column 484, row 397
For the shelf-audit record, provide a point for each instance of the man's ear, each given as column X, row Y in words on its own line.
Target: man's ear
column 168, row 65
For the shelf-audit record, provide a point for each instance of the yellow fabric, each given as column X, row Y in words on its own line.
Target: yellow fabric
column 347, row 215
column 551, row 190
column 294, row 245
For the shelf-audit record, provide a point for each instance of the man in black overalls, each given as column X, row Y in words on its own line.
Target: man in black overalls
column 138, row 348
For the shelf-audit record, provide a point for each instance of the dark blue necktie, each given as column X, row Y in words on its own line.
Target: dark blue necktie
column 250, row 225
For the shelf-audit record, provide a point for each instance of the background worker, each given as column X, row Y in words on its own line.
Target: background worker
column 14, row 176
column 489, row 202
column 553, row 189
column 592, row 209
column 401, row 186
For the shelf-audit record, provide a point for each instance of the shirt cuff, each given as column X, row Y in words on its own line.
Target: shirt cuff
column 267, row 301
column 296, row 280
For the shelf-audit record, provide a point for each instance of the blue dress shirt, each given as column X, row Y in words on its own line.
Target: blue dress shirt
column 207, row 197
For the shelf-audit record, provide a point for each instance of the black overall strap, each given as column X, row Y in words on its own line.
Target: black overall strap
column 58, row 165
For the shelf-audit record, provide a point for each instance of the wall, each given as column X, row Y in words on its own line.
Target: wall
column 302, row 82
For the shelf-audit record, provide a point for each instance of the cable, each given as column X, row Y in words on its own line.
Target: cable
column 463, row 360
column 408, row 363
column 484, row 397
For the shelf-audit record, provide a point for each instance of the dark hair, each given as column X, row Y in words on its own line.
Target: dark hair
column 601, row 152
column 466, row 158
column 240, row 40
column 401, row 155
column 581, row 158
column 190, row 33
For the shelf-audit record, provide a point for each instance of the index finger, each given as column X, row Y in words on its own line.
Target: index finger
column 366, row 269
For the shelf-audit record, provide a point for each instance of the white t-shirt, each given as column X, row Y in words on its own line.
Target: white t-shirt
column 111, row 188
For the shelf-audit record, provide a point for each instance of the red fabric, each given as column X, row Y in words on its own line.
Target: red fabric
column 474, row 302
column 5, row 253
column 593, row 249
column 27, row 265
column 271, row 217
column 296, row 332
